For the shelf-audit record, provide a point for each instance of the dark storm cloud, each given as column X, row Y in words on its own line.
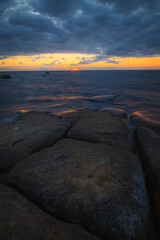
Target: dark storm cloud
column 58, row 8
column 106, row 28
column 4, row 4
column 128, row 7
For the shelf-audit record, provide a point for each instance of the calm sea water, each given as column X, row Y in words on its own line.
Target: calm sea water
column 67, row 91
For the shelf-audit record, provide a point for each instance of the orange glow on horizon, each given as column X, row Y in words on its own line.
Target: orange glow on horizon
column 73, row 62
column 75, row 69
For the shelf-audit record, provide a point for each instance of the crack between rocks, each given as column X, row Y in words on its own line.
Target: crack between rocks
column 38, row 149
column 65, row 135
column 39, row 205
column 108, row 133
column 52, row 144
column 152, row 224
column 132, row 127
column 17, row 141
column 85, row 140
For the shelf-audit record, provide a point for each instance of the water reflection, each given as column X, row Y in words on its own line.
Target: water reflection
column 51, row 98
column 60, row 92
column 24, row 110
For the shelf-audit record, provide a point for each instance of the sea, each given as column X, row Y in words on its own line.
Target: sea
column 60, row 92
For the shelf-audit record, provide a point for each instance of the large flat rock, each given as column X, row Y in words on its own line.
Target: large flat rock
column 31, row 132
column 149, row 146
column 20, row 219
column 95, row 185
column 102, row 127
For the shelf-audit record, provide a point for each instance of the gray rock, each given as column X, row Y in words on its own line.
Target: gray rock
column 20, row 219
column 149, row 146
column 102, row 127
column 32, row 132
column 95, row 185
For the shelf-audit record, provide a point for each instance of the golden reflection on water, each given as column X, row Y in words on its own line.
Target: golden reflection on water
column 60, row 97
column 25, row 110
column 56, row 113
column 67, row 111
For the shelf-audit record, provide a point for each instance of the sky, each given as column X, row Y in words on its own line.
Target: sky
column 79, row 35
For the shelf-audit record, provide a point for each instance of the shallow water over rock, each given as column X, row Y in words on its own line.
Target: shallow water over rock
column 62, row 92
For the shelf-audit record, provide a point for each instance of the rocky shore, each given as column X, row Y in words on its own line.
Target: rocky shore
column 78, row 177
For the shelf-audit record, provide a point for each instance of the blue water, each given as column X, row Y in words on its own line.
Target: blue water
column 65, row 91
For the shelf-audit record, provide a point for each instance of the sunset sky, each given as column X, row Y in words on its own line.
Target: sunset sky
column 79, row 35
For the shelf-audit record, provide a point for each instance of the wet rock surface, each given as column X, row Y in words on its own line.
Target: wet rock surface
column 149, row 147
column 143, row 119
column 72, row 117
column 102, row 98
column 31, row 132
column 21, row 219
column 115, row 111
column 101, row 127
column 97, row 186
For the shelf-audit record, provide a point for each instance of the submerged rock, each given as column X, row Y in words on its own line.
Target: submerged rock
column 102, row 98
column 21, row 219
column 95, row 185
column 33, row 131
column 149, row 146
column 5, row 76
column 102, row 127
column 146, row 120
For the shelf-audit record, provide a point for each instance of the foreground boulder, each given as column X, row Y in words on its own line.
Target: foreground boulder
column 149, row 146
column 20, row 219
column 102, row 127
column 32, row 132
column 95, row 185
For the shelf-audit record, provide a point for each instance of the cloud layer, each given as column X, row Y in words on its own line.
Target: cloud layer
column 106, row 28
